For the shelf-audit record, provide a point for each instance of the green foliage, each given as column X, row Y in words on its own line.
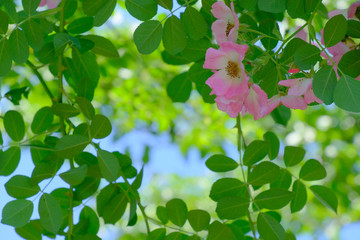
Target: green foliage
column 147, row 36
column 199, row 219
column 346, row 94
column 324, row 84
column 177, row 211
column 293, row 155
column 174, row 35
column 335, row 30
column 312, row 170
column 20, row 186
column 17, row 212
column 39, row 49
column 221, row 163
column 255, row 152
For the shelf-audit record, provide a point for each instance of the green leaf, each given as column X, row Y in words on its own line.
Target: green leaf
column 312, row 170
column 273, row 6
column 34, row 33
column 179, row 88
column 147, row 36
column 265, row 172
column 5, row 56
column 335, row 30
column 227, row 187
column 269, row 27
column 136, row 184
column 30, row 6
column 31, row 230
column 220, row 231
column 1, row 139
column 88, row 222
column 296, row 8
column 293, row 155
column 14, row 125
column 64, row 110
column 199, row 219
column 157, row 234
column 196, row 50
column 174, row 35
column 350, row 63
column 19, row 46
column 50, row 213
column 87, row 188
column 86, row 69
column 70, row 146
column 80, row 25
column 274, row 198
column 162, row 215
column 274, row 144
column 19, row 186
column 167, row 4
column 283, row 181
column 269, row 228
column 310, row 5
column 281, row 115
column 255, row 152
column 9, row 160
column 289, row 51
column 104, row 13
column 74, row 176
column 102, row 46
column 115, row 209
column 347, row 94
column 176, row 236
column 91, row 7
column 300, row 196
column 17, row 213
column 42, row 120
column 306, row 56
column 326, row 196
column 4, row 22
column 16, row 94
column 221, row 163
column 141, row 9
column 194, row 23
column 86, row 107
column 109, row 165
column 231, row 207
column 353, row 29
column 100, row 126
column 10, row 8
column 177, row 211
column 324, row 84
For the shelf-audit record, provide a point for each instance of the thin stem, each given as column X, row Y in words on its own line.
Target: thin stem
column 290, row 37
column 141, row 207
column 155, row 221
column 41, row 79
column 263, row 34
column 240, row 142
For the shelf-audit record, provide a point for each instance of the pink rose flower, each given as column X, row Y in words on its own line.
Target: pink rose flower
column 352, row 9
column 227, row 26
column 255, row 102
column 290, row 101
column 232, row 106
column 50, row 3
column 299, row 87
column 229, row 78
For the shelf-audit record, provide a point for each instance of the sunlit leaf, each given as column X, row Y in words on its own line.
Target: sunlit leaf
column 50, row 213
column 221, row 163
column 177, row 211
column 19, row 186
column 17, row 213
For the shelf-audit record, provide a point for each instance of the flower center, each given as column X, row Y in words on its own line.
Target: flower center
column 228, row 28
column 232, row 69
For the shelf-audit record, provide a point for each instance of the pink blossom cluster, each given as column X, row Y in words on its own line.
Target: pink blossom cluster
column 50, row 3
column 234, row 91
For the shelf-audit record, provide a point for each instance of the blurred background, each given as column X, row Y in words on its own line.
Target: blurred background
column 173, row 140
